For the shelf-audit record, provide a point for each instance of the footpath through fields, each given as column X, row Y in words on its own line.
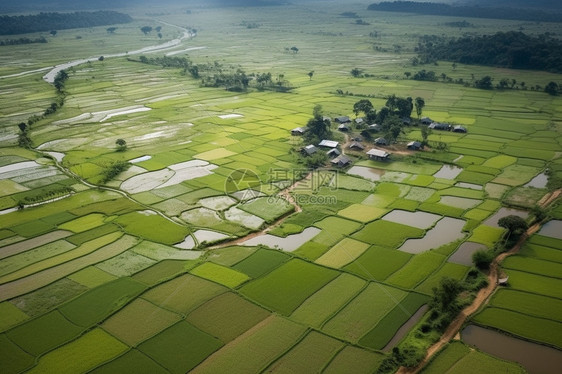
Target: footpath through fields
column 483, row 295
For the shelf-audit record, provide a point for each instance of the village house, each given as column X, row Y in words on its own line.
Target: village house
column 377, row 154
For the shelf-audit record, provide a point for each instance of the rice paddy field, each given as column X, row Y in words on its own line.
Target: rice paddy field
column 199, row 258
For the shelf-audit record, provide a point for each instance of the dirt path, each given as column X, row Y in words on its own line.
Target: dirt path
column 483, row 295
column 284, row 194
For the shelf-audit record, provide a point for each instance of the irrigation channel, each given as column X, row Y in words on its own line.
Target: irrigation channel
column 483, row 295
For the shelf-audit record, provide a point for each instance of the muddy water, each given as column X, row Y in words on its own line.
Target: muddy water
column 421, row 220
column 552, row 229
column 504, row 212
column 463, row 255
column 289, row 244
column 448, row 172
column 536, row 358
column 367, row 173
column 402, row 331
column 445, row 231
column 539, row 181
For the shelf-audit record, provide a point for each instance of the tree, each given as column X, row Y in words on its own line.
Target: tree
column 356, row 73
column 146, row 29
column 294, row 49
column 551, row 88
column 484, row 83
column 514, row 225
column 159, row 35
column 317, row 127
column 121, row 145
column 310, row 74
column 419, row 104
column 158, row 28
column 53, row 32
column 425, row 132
column 362, row 105
column 101, row 58
column 482, row 259
column 445, row 296
column 454, row 66
column 407, row 74
column 111, row 30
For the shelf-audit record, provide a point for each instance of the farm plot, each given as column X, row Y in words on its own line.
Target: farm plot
column 528, row 303
column 47, row 276
column 142, row 224
column 537, row 329
column 416, row 270
column 231, row 255
column 82, row 354
column 183, row 293
column 286, row 287
column 310, row 355
column 261, row 262
column 96, row 304
column 12, row 358
column 364, row 312
column 163, row 270
column 266, row 209
column 533, row 283
column 25, row 245
column 125, row 264
column 386, row 234
column 11, row 315
column 91, row 277
column 328, row 300
column 534, row 266
column 139, row 321
column 220, row 274
column 377, row 263
column 227, row 316
column 180, row 348
column 44, row 333
column 342, row 253
column 362, row 212
column 254, row 349
column 133, row 362
column 362, row 361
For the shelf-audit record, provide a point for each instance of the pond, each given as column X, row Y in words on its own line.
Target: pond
column 539, row 181
column 552, row 229
column 471, row 186
column 367, row 173
column 459, row 202
column 421, row 220
column 289, row 244
column 448, row 172
column 445, row 231
column 504, row 212
column 534, row 357
column 405, row 328
column 463, row 255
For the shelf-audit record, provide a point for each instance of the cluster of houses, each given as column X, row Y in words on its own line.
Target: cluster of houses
column 441, row 126
column 344, row 125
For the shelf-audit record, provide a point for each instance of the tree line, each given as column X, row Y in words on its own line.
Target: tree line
column 440, row 9
column 215, row 74
column 21, row 41
column 512, row 49
column 11, row 25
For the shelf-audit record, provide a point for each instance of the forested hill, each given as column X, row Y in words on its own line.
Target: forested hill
column 468, row 11
column 512, row 49
column 11, row 25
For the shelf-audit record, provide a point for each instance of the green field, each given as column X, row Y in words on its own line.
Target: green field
column 286, row 287
column 147, row 271
column 180, row 348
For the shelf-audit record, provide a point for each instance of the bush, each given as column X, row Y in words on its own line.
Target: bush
column 482, row 259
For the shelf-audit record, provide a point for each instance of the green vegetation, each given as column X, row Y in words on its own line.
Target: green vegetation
column 286, row 287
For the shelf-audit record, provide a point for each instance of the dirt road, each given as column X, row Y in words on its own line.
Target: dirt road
column 483, row 295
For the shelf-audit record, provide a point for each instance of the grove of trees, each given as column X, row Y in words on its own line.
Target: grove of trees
column 12, row 25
